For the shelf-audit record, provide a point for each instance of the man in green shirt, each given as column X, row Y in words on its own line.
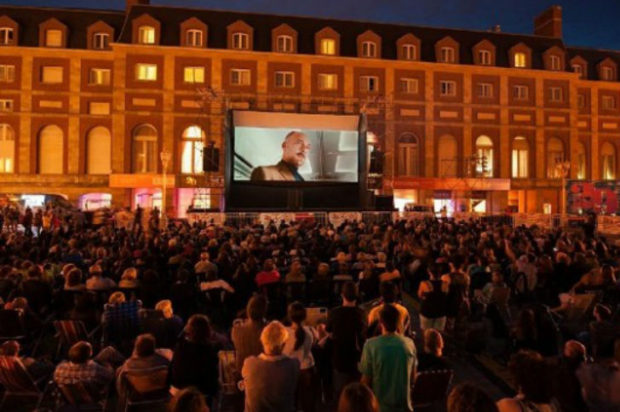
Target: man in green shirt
column 389, row 363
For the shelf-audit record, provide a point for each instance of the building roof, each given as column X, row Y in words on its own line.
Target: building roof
column 76, row 20
column 306, row 27
column 593, row 57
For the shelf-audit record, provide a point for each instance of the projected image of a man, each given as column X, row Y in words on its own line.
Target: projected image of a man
column 295, row 149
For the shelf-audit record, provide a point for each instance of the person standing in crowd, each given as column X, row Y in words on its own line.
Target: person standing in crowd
column 246, row 334
column 388, row 364
column 388, row 297
column 431, row 357
column 270, row 378
column 346, row 326
column 433, row 295
column 357, row 397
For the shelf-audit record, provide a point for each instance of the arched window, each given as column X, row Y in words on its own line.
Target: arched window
column 520, row 157
column 98, row 151
column 555, row 155
column 191, row 154
column 447, row 160
column 408, row 155
column 608, row 161
column 144, row 149
column 580, row 152
column 50, row 153
column 7, row 149
column 484, row 151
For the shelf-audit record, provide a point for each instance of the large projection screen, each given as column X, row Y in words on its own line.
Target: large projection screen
column 291, row 148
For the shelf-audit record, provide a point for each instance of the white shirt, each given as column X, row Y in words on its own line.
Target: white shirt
column 304, row 353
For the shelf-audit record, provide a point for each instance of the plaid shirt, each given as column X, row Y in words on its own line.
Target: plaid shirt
column 90, row 372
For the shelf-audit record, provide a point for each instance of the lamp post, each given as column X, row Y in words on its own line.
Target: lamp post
column 562, row 169
column 165, row 157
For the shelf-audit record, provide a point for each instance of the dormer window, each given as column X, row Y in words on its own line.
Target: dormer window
column 193, row 38
column 409, row 52
column 53, row 38
column 577, row 68
column 484, row 57
column 146, row 35
column 328, row 47
column 607, row 73
column 284, row 44
column 555, row 62
column 520, row 60
column 447, row 55
column 369, row 49
column 101, row 41
column 6, row 36
column 240, row 41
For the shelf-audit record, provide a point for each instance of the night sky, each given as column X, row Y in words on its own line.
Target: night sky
column 592, row 23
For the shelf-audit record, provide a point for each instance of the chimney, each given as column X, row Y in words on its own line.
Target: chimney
column 549, row 23
column 129, row 3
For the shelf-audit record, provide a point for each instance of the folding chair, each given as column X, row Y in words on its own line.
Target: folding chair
column 17, row 381
column 70, row 332
column 121, row 322
column 430, row 387
column 145, row 387
column 227, row 376
column 84, row 397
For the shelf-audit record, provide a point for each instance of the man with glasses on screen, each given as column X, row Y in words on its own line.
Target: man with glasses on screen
column 295, row 149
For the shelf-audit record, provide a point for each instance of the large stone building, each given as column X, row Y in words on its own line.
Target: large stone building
column 476, row 120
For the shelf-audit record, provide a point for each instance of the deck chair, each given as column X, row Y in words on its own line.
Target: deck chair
column 17, row 381
column 121, row 322
column 83, row 397
column 145, row 387
column 227, row 376
column 430, row 387
column 70, row 332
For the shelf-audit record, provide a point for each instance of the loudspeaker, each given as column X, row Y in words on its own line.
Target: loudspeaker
column 384, row 202
column 211, row 159
column 377, row 159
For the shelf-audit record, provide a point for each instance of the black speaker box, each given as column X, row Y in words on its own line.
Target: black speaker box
column 211, row 159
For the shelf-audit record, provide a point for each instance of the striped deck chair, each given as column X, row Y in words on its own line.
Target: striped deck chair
column 17, row 381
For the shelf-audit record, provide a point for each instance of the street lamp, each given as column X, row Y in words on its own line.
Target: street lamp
column 165, row 157
column 561, row 169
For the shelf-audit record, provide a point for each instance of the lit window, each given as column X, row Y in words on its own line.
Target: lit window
column 194, row 74
column 520, row 60
column 6, row 36
column 555, row 156
column 193, row 38
column 609, row 102
column 284, row 44
column 369, row 49
column 555, row 94
column 146, row 35
column 447, row 55
column 520, row 92
column 369, row 83
column 101, row 41
column 447, row 88
column 484, row 150
column 7, row 149
column 146, row 72
column 52, row 74
column 408, row 85
column 6, row 105
column 53, row 38
column 285, row 79
column 555, row 62
column 607, row 73
column 192, row 150
column 485, row 90
column 581, row 101
column 608, row 161
column 7, row 73
column 99, row 77
column 580, row 151
column 520, row 155
column 240, row 77
column 240, row 41
column 327, row 81
column 409, row 52
column 144, row 149
column 484, row 56
column 328, row 46
column 577, row 68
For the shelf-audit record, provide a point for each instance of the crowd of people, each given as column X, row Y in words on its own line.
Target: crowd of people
column 305, row 316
